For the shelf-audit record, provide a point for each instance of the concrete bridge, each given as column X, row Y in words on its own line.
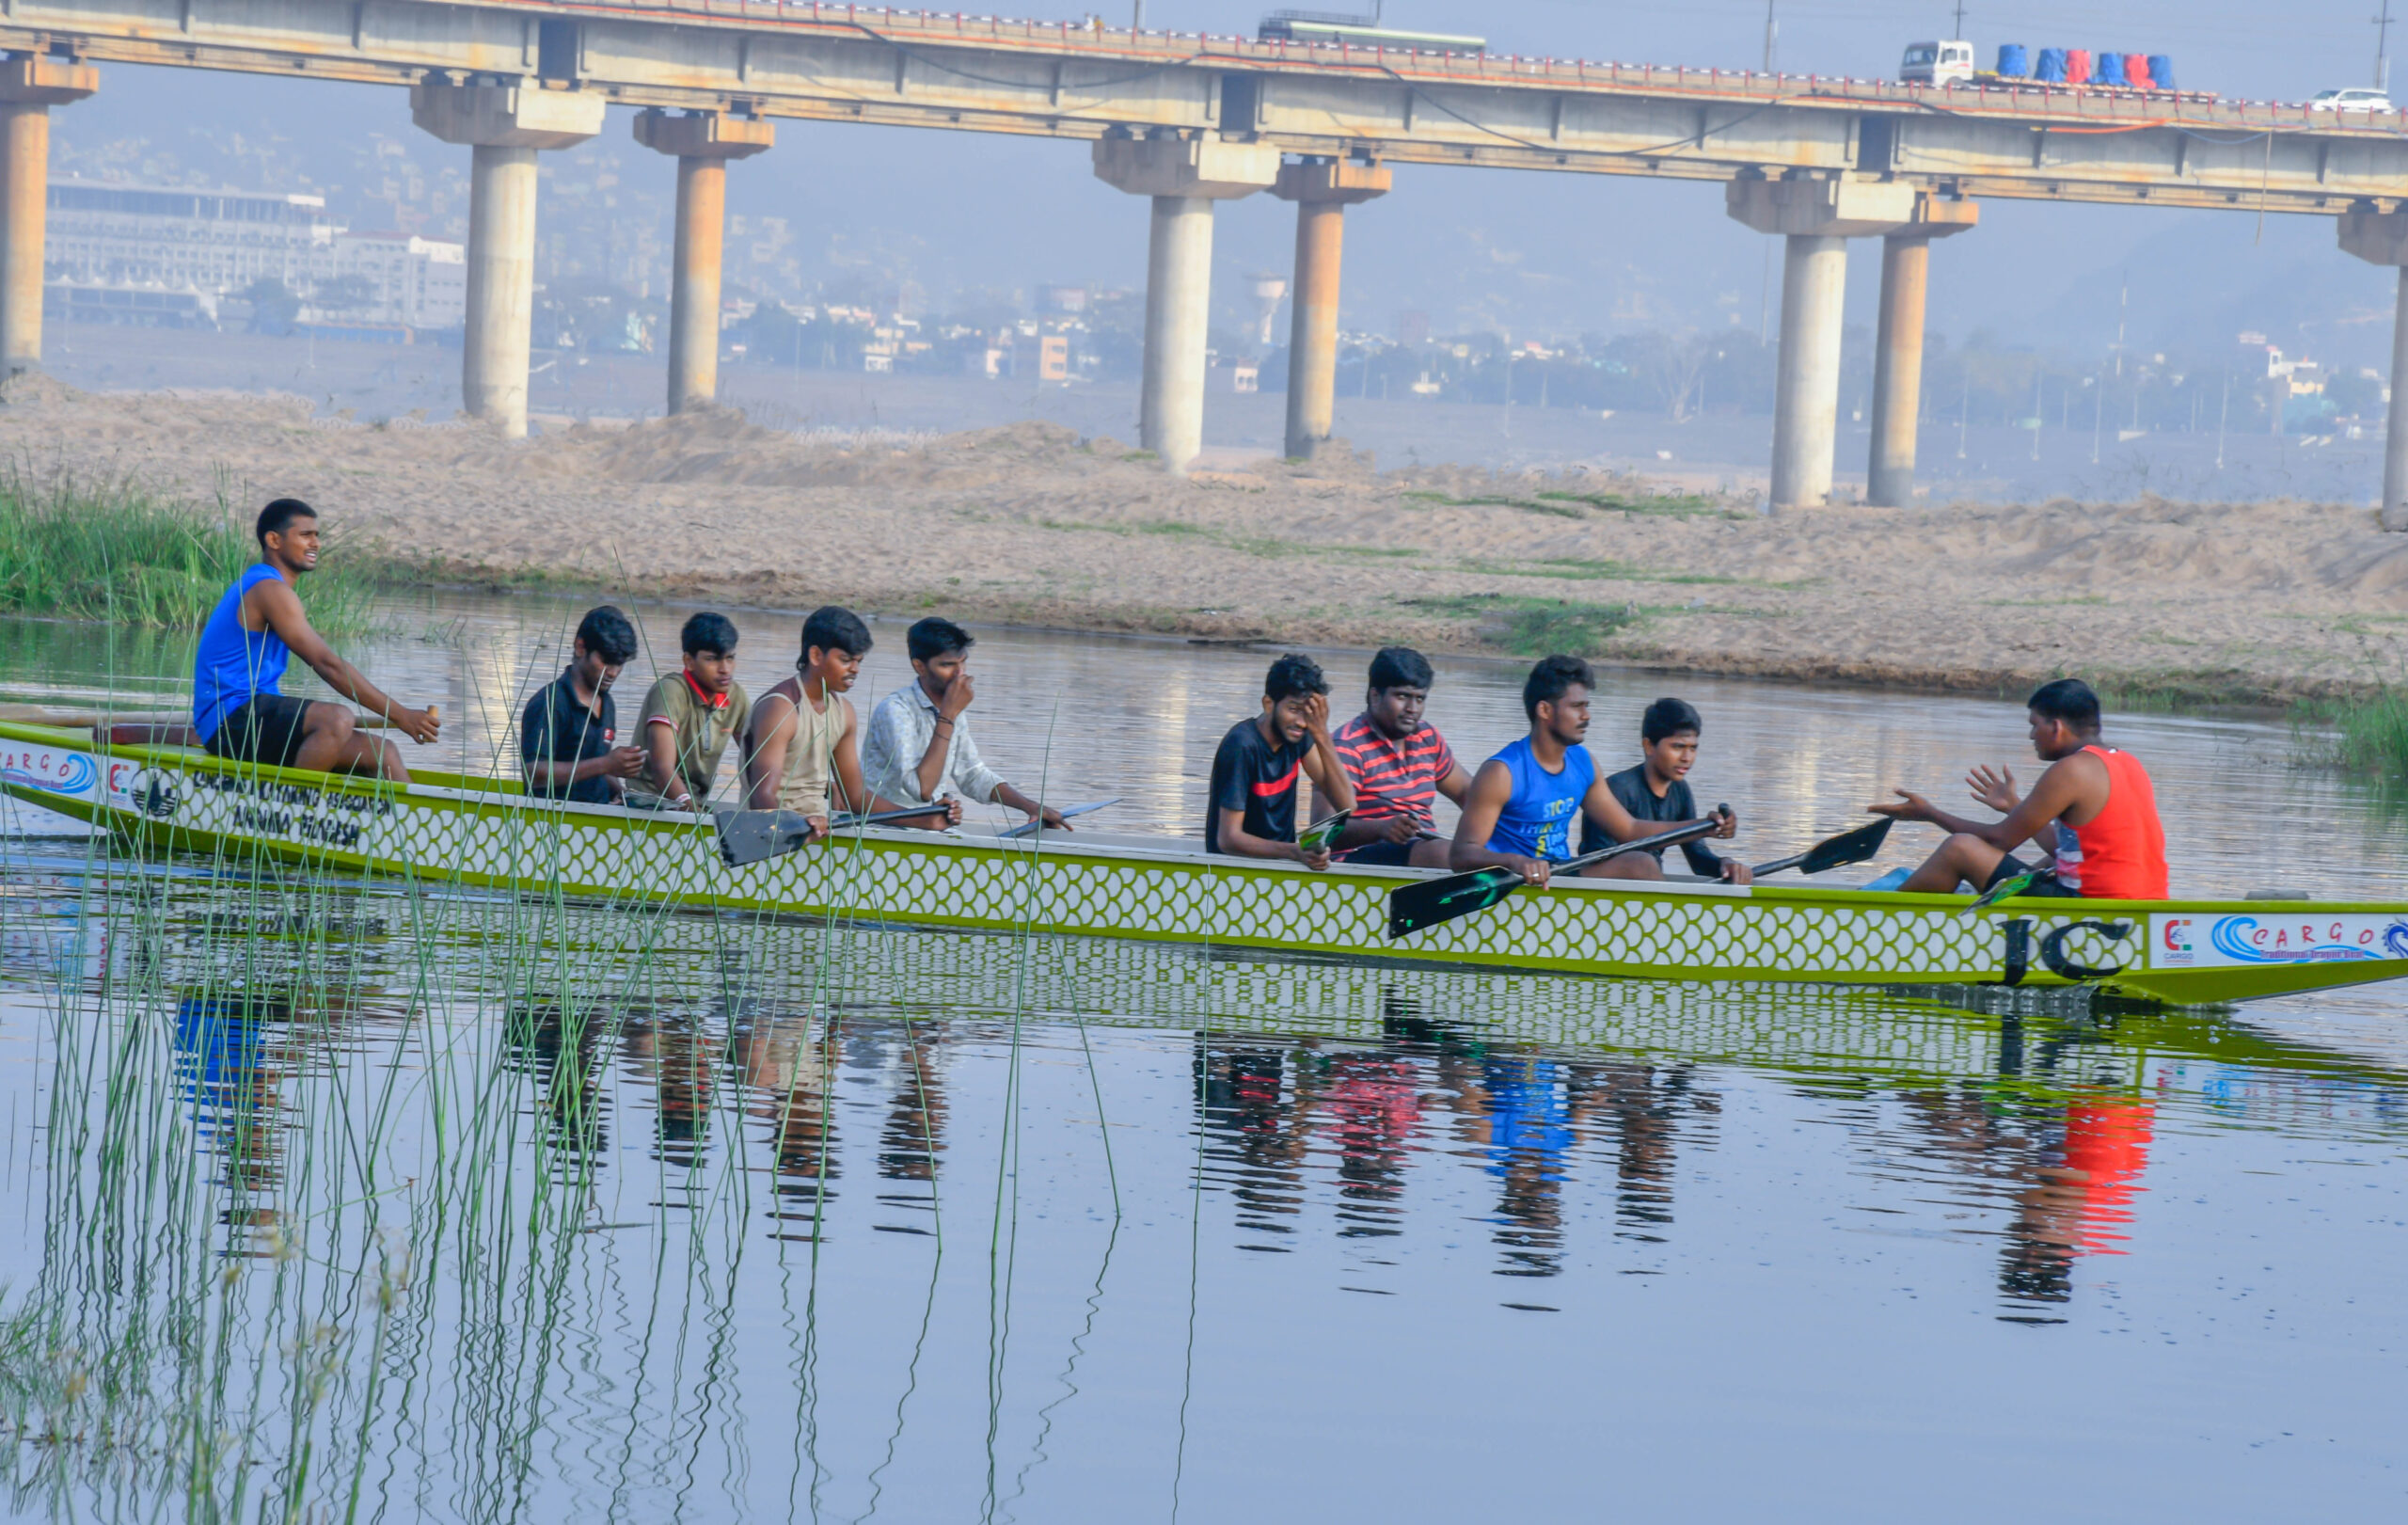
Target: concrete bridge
column 1189, row 121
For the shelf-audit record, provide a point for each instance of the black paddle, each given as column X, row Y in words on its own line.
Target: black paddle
column 1833, row 851
column 748, row 836
column 1436, row 900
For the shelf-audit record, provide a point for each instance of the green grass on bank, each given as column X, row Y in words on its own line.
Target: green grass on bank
column 121, row 554
column 1531, row 626
column 2370, row 734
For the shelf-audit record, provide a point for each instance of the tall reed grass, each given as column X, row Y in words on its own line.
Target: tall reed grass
column 2372, row 733
column 125, row 554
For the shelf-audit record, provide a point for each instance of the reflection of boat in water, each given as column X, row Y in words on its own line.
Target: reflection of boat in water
column 448, row 829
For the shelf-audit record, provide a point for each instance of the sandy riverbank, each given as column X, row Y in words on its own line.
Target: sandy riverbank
column 1029, row 524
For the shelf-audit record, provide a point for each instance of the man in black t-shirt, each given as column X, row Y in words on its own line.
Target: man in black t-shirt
column 1252, row 810
column 1657, row 789
column 567, row 736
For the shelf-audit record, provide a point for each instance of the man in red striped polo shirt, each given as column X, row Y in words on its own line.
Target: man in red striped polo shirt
column 1398, row 763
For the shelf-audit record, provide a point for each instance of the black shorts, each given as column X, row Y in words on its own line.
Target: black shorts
column 2010, row 865
column 266, row 729
column 1383, row 854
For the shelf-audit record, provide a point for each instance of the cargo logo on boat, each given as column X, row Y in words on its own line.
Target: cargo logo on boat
column 48, row 769
column 2234, row 942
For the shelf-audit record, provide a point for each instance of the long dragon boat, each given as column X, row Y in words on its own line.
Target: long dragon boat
column 466, row 831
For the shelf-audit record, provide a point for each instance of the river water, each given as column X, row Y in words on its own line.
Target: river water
column 341, row 1199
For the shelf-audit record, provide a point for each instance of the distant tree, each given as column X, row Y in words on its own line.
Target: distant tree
column 1672, row 365
column 273, row 306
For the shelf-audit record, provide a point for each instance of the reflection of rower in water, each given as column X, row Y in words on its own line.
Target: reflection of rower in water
column 2081, row 1203
column 254, row 630
column 2094, row 809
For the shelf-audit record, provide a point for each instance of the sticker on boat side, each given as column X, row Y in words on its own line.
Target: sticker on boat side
column 52, row 770
column 2178, row 942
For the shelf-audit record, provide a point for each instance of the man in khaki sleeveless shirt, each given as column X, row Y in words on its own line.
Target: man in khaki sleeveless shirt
column 804, row 751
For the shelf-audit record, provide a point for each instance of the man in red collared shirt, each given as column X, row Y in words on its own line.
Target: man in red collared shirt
column 1398, row 763
column 689, row 717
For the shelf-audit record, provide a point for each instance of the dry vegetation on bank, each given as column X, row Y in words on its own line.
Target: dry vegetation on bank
column 2267, row 601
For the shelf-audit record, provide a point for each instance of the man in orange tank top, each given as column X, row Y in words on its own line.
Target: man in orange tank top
column 2094, row 810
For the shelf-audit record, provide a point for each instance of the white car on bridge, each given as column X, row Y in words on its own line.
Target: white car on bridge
column 2355, row 100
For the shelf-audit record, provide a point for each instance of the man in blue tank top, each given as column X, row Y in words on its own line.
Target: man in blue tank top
column 1520, row 811
column 252, row 633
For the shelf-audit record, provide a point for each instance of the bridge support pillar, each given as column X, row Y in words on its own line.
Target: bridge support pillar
column 703, row 143
column 504, row 126
column 29, row 86
column 2381, row 238
column 1322, row 190
column 1817, row 216
column 1185, row 176
column 1897, row 359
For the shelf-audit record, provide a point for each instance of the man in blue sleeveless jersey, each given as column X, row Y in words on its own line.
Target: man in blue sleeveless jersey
column 252, row 633
column 1520, row 811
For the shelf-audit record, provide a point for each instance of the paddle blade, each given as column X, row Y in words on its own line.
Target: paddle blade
column 2006, row 889
column 1848, row 847
column 748, row 836
column 1427, row 904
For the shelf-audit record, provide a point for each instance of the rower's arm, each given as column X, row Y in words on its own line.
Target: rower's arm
column 765, row 764
column 2069, row 784
column 1455, row 785
column 848, row 785
column 1491, row 787
column 1332, row 791
column 660, row 759
column 1238, row 842
column 1607, row 812
column 280, row 608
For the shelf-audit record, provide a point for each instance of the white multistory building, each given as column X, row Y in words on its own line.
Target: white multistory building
column 144, row 239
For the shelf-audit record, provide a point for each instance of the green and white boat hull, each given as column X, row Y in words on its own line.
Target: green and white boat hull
column 452, row 831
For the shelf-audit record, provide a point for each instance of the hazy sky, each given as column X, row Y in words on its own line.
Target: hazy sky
column 1535, row 253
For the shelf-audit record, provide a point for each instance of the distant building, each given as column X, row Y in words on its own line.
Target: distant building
column 143, row 239
column 177, row 239
column 1054, row 357
column 417, row 282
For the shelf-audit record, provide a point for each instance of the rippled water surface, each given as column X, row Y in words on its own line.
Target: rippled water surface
column 341, row 1200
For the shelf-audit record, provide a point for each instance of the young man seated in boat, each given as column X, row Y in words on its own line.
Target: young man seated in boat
column 919, row 747
column 1655, row 790
column 1398, row 765
column 1519, row 810
column 568, row 735
column 255, row 631
column 803, row 752
column 2094, row 810
column 688, row 718
column 1250, row 807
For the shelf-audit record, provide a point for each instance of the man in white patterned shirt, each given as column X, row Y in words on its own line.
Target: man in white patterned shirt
column 919, row 749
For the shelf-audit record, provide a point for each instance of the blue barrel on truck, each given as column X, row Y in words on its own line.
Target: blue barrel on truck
column 2160, row 70
column 2107, row 69
column 2013, row 62
column 2053, row 66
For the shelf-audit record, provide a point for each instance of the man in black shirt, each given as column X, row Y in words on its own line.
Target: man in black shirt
column 1657, row 789
column 1252, row 812
column 566, row 738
